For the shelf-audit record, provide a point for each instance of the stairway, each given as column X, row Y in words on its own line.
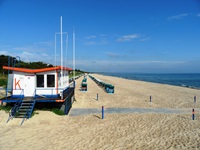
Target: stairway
column 23, row 110
column 26, row 108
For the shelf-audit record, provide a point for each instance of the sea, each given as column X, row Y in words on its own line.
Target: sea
column 189, row 80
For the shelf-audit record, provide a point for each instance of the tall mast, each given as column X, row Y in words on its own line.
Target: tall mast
column 66, row 49
column 61, row 51
column 74, row 54
column 55, row 50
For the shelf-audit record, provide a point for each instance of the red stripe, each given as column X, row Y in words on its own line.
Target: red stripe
column 60, row 100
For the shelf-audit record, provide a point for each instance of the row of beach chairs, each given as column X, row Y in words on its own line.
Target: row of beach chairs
column 84, row 84
column 109, row 88
column 76, row 77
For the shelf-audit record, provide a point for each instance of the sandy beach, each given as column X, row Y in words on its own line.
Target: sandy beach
column 47, row 131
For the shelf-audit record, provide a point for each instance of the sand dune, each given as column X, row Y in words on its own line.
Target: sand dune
column 47, row 131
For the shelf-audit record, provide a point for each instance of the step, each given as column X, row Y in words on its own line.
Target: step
column 27, row 105
column 27, row 102
column 27, row 109
column 22, row 113
column 24, row 109
column 21, row 116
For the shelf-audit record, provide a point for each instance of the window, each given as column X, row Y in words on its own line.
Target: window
column 40, row 80
column 50, row 80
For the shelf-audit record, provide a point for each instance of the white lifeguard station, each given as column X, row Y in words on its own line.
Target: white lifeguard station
column 45, row 82
column 26, row 87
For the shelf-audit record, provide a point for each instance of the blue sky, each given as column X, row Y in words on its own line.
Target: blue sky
column 111, row 35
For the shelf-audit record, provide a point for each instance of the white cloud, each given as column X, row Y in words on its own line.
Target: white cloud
column 2, row 52
column 32, row 56
column 90, row 43
column 112, row 55
column 90, row 37
column 177, row 17
column 36, row 47
column 102, row 42
column 47, row 44
column 94, row 40
column 128, row 37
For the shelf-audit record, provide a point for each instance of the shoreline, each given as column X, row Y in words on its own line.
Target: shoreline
column 180, row 85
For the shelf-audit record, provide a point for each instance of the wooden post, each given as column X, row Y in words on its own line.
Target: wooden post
column 193, row 114
column 102, row 112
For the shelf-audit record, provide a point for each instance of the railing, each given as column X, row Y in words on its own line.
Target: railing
column 30, row 108
column 46, row 92
column 14, row 110
column 31, row 105
column 50, row 93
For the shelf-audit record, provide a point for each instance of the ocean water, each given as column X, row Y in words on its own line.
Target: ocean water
column 190, row 80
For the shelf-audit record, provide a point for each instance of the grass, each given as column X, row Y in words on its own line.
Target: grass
column 6, row 108
column 57, row 111
column 51, row 108
column 77, row 73
column 34, row 113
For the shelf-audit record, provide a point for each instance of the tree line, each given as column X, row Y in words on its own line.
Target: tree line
column 14, row 62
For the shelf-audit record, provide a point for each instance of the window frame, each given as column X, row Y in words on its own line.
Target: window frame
column 41, row 82
column 54, row 81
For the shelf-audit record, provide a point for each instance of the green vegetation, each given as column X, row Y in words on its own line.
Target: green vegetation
column 3, row 80
column 52, row 107
column 34, row 113
column 6, row 108
column 77, row 73
column 58, row 111
column 15, row 62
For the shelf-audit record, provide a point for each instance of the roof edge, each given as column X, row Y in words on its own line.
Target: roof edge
column 27, row 70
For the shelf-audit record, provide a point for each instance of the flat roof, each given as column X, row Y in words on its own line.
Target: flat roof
column 26, row 70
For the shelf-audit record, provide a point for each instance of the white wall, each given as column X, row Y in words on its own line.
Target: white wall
column 19, row 82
